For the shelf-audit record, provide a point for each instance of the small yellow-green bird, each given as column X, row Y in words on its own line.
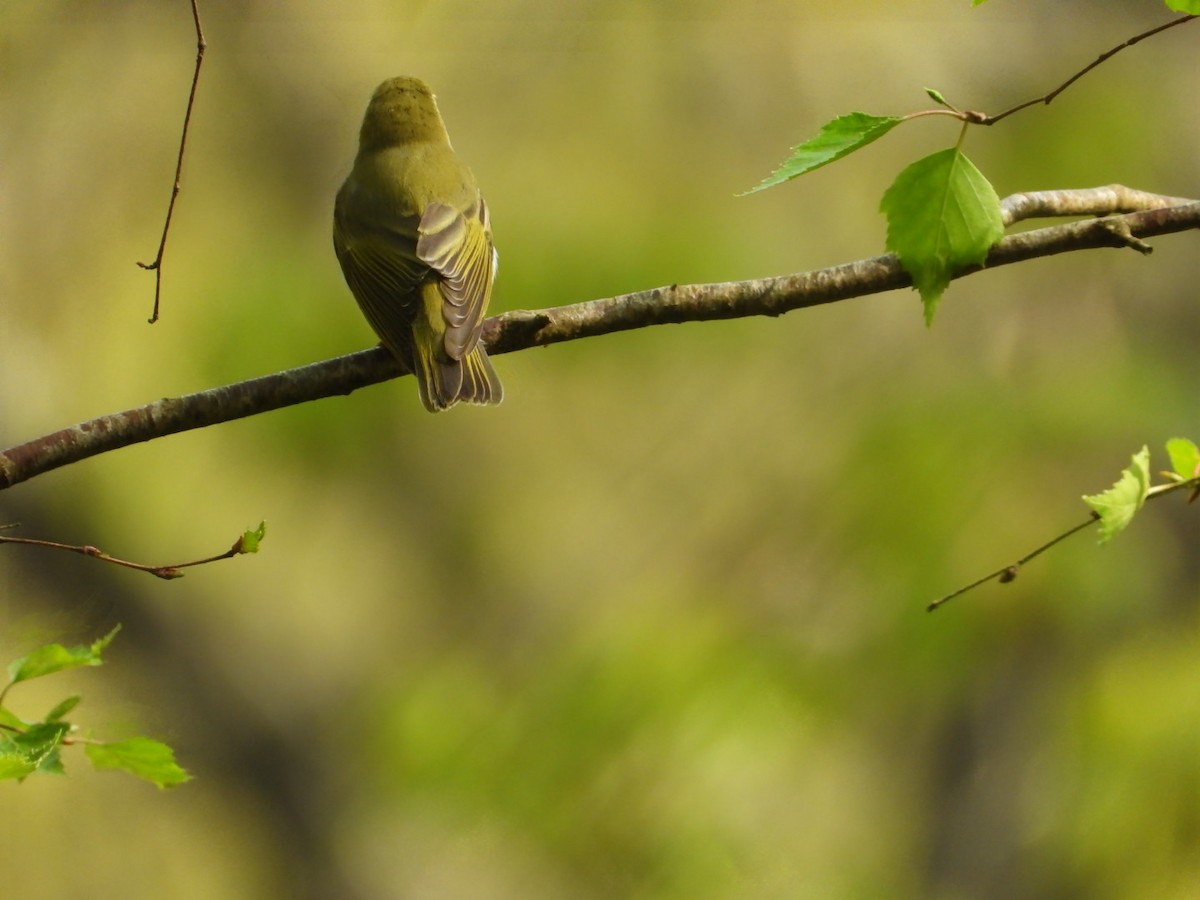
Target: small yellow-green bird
column 414, row 240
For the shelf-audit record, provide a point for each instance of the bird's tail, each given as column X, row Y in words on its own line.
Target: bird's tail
column 470, row 380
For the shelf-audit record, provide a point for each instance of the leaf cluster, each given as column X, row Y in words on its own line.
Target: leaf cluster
column 1116, row 507
column 34, row 747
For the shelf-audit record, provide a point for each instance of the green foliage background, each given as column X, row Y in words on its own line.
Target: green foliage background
column 654, row 627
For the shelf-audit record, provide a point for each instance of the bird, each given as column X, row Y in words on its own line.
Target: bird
column 413, row 236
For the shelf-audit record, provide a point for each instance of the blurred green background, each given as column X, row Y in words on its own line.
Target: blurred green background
column 666, row 636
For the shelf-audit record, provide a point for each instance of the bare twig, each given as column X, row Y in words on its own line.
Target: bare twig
column 522, row 329
column 165, row 572
column 156, row 266
column 1009, row 573
column 1048, row 98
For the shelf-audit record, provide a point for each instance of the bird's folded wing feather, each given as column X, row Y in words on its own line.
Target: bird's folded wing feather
column 458, row 246
column 381, row 266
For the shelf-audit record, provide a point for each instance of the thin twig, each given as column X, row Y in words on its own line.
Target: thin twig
column 156, row 266
column 1047, row 98
column 1009, row 573
column 164, row 572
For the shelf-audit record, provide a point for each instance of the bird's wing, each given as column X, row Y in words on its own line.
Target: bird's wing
column 381, row 266
column 458, row 246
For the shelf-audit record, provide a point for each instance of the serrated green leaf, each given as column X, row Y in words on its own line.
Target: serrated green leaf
column 1185, row 458
column 53, row 658
column 149, row 759
column 14, row 766
column 99, row 644
column 63, row 708
column 943, row 216
column 49, row 659
column 251, row 539
column 837, row 138
column 52, row 763
column 1116, row 506
column 24, row 753
column 1184, row 6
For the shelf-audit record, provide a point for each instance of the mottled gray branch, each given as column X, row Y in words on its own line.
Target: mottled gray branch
column 1100, row 201
column 522, row 329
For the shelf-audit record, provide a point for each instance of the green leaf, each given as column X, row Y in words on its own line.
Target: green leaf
column 943, row 216
column 14, row 765
column 1117, row 506
column 936, row 96
column 249, row 541
column 143, row 757
column 11, row 720
column 52, row 763
column 100, row 644
column 63, row 708
column 24, row 753
column 55, row 658
column 1184, row 6
column 836, row 139
column 1185, row 458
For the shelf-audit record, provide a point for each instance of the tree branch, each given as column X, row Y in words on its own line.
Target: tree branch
column 522, row 329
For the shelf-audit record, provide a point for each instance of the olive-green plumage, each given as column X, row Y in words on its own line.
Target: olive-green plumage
column 414, row 240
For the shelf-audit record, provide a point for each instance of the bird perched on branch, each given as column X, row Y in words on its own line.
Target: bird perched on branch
column 414, row 240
